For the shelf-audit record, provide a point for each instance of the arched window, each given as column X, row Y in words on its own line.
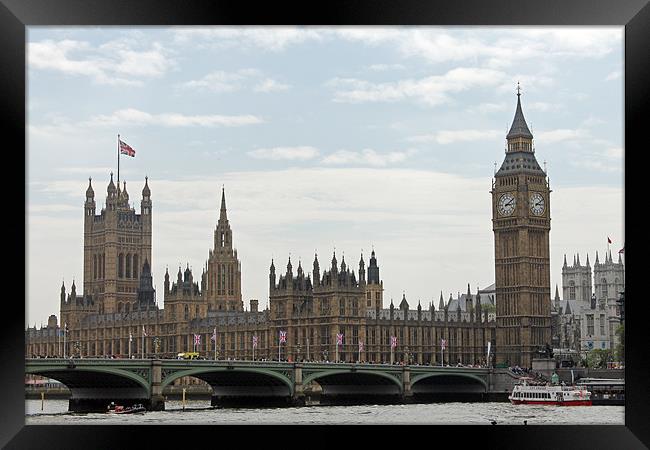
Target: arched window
column 342, row 307
column 103, row 265
column 135, row 266
column 119, row 307
column 572, row 290
column 585, row 294
column 196, row 311
column 128, row 265
column 187, row 312
column 127, row 308
column 120, row 266
column 603, row 288
column 94, row 267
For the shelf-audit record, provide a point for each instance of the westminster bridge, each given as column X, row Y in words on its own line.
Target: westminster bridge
column 94, row 383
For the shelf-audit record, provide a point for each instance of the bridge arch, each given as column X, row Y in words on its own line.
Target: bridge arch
column 450, row 376
column 199, row 371
column 316, row 376
column 70, row 376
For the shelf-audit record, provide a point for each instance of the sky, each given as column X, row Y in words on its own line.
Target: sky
column 325, row 139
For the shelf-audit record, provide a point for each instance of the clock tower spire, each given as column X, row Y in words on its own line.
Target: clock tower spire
column 521, row 223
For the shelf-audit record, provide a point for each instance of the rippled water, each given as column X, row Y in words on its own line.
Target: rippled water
column 55, row 412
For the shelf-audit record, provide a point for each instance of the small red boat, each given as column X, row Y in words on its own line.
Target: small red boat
column 528, row 394
column 119, row 409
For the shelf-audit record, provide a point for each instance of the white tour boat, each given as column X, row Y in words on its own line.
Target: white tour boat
column 530, row 394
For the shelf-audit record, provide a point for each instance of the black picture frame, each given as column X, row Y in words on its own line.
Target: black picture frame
column 16, row 15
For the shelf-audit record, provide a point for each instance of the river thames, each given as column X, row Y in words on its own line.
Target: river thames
column 199, row 412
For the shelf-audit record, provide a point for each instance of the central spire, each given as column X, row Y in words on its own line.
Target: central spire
column 222, row 213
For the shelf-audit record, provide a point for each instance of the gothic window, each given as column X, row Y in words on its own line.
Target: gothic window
column 585, row 294
column 119, row 307
column 128, row 265
column 94, row 267
column 572, row 290
column 342, row 307
column 223, row 239
column 377, row 295
column 103, row 265
column 324, row 335
column 602, row 324
column 603, row 288
column 135, row 266
column 127, row 308
column 120, row 266
column 187, row 312
column 355, row 307
column 368, row 294
column 196, row 311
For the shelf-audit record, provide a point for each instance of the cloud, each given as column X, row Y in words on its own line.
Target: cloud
column 433, row 90
column 609, row 160
column 273, row 39
column 270, row 85
column 285, row 153
column 615, row 75
column 385, row 67
column 220, row 82
column 561, row 135
column 136, row 117
column 113, row 63
column 453, row 136
column 366, row 157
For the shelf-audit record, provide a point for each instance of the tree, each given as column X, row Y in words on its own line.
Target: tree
column 597, row 358
column 620, row 347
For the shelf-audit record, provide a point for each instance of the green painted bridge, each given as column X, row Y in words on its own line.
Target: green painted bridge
column 94, row 383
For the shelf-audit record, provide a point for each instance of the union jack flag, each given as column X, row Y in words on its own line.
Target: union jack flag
column 339, row 339
column 254, row 341
column 197, row 339
column 283, row 336
column 393, row 341
column 360, row 346
column 443, row 343
column 126, row 149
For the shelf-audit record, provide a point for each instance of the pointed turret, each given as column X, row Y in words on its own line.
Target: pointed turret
column 146, row 192
column 272, row 275
column 63, row 292
column 289, row 268
column 567, row 308
column 588, row 260
column 519, row 127
column 90, row 193
column 564, row 261
column 373, row 269
column 362, row 271
column 334, row 263
column 597, row 262
column 620, row 261
column 441, row 303
column 343, row 265
column 316, row 270
column 404, row 305
column 300, row 272
column 166, row 279
column 578, row 259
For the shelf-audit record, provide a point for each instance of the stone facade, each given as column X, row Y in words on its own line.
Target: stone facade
column 118, row 315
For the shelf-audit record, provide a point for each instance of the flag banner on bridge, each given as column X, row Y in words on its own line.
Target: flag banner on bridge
column 254, row 341
column 339, row 339
column 443, row 343
column 283, row 336
column 393, row 341
column 197, row 339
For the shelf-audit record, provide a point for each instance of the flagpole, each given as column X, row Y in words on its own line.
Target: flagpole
column 279, row 346
column 64, row 333
column 215, row 343
column 442, row 355
column 142, row 341
column 307, row 349
column 59, row 335
column 118, row 159
column 130, row 339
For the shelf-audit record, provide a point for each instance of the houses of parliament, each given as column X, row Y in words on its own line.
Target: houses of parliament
column 117, row 303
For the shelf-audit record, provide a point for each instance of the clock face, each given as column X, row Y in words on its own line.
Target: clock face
column 506, row 204
column 537, row 204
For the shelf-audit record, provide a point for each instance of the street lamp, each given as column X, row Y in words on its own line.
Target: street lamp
column 324, row 355
column 156, row 345
column 298, row 350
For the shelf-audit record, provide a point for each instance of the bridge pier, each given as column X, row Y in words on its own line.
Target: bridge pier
column 157, row 400
column 407, row 393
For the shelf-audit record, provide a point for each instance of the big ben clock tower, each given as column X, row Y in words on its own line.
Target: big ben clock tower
column 521, row 223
